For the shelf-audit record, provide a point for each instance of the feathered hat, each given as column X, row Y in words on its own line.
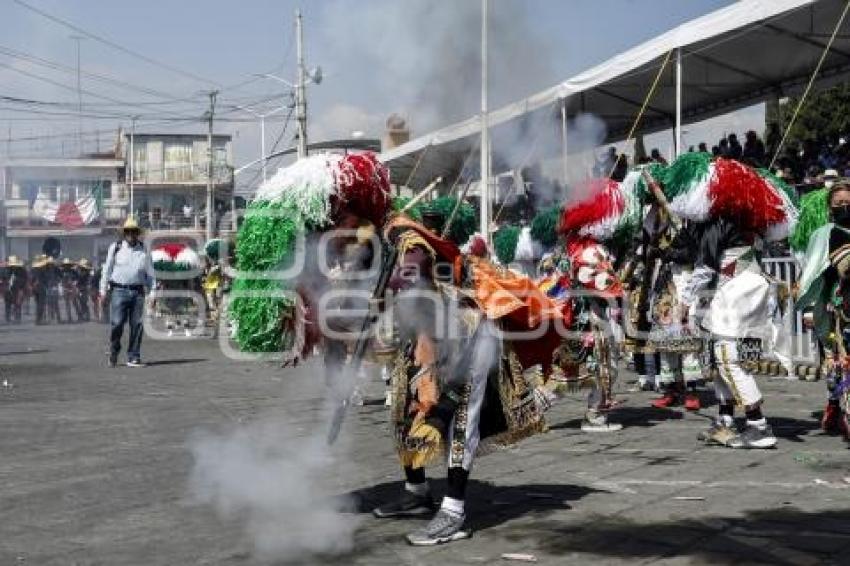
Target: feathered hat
column 312, row 194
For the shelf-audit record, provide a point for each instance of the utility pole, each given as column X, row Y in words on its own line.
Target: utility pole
column 132, row 162
column 300, row 98
column 213, row 94
column 79, row 38
column 485, row 134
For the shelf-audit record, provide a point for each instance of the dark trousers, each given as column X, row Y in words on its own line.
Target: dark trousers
column 126, row 306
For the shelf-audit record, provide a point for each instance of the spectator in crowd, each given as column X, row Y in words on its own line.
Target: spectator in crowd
column 723, row 145
column 656, row 156
column 735, row 149
column 703, row 147
column 753, row 149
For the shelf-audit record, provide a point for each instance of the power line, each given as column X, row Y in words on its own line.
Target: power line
column 114, row 45
column 13, row 53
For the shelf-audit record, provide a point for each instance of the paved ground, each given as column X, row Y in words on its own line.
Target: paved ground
column 96, row 466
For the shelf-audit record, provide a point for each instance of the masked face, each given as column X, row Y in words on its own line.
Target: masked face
column 841, row 215
column 839, row 208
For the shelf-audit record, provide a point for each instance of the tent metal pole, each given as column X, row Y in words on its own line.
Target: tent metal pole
column 485, row 134
column 564, row 162
column 678, row 134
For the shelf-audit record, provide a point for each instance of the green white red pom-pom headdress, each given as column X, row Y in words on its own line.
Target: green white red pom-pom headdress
column 312, row 194
column 699, row 189
column 175, row 257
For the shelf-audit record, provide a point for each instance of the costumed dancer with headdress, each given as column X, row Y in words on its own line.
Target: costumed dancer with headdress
column 278, row 288
column 466, row 386
column 666, row 252
column 739, row 208
column 611, row 213
column 825, row 290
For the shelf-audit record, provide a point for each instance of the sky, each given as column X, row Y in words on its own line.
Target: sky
column 417, row 58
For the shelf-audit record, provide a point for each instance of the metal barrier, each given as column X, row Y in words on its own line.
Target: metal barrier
column 804, row 349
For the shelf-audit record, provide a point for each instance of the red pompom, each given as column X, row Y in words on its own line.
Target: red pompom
column 478, row 247
column 603, row 200
column 364, row 187
column 739, row 194
column 171, row 249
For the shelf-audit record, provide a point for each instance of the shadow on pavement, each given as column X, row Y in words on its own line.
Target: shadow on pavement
column 175, row 362
column 489, row 505
column 778, row 536
column 630, row 417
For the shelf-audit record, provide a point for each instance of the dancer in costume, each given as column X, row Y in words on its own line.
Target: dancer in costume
column 825, row 289
column 606, row 219
column 739, row 208
column 466, row 386
column 279, row 283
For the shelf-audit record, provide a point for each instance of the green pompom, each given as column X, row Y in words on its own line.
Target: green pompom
column 259, row 320
column 266, row 243
column 544, row 226
column 267, row 236
column 789, row 191
column 464, row 223
column 415, row 212
column 814, row 213
column 684, row 173
column 504, row 241
column 657, row 171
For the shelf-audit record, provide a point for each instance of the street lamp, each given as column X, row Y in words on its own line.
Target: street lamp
column 314, row 76
column 262, row 118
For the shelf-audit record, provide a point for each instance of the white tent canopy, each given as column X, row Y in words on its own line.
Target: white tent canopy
column 750, row 51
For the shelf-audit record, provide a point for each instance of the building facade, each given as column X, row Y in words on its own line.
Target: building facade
column 168, row 180
column 82, row 202
column 79, row 202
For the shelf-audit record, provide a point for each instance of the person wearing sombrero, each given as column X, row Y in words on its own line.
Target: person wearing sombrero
column 128, row 274
column 82, row 273
column 16, row 282
column 69, row 293
column 39, row 288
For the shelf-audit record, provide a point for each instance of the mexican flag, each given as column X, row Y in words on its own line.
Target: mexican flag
column 70, row 215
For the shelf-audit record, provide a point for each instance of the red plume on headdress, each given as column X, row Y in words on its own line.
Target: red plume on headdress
column 738, row 192
column 364, row 187
column 604, row 201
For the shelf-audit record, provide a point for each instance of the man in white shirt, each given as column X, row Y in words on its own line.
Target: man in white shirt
column 128, row 274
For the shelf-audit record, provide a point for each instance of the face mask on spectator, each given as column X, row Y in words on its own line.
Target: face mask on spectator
column 841, row 215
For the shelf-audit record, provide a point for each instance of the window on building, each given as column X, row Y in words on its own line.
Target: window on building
column 48, row 191
column 178, row 161
column 139, row 164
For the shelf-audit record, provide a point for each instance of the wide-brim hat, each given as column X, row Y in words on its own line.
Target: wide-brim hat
column 66, row 262
column 14, row 261
column 84, row 263
column 131, row 225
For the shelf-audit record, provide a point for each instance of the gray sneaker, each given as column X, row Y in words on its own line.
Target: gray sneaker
column 754, row 437
column 598, row 422
column 444, row 527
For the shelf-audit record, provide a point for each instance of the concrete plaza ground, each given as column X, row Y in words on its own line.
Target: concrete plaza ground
column 95, row 466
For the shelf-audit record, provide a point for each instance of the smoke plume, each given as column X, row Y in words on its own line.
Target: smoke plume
column 277, row 486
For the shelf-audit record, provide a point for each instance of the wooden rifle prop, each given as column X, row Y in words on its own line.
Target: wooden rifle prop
column 389, row 256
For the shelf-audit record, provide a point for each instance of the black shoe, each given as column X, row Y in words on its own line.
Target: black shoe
column 113, row 360
column 408, row 505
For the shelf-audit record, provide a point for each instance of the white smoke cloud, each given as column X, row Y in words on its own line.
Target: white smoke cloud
column 277, row 486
